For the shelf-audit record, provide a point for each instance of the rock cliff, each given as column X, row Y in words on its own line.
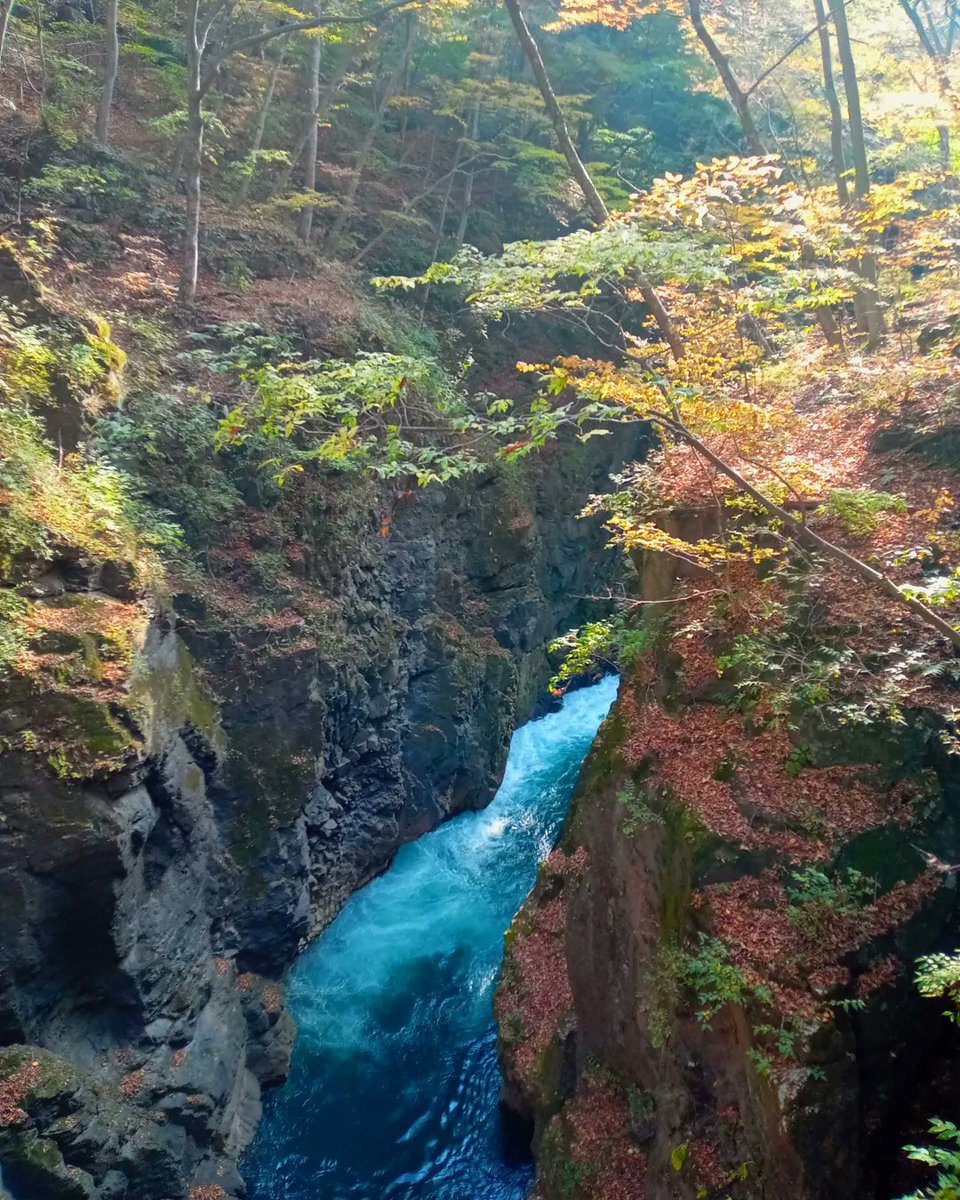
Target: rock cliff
column 234, row 791
column 710, row 992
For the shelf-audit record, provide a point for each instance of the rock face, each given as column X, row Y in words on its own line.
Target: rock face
column 741, row 1038
column 146, row 915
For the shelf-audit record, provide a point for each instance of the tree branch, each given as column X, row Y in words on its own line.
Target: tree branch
column 267, row 35
column 805, row 37
column 803, row 534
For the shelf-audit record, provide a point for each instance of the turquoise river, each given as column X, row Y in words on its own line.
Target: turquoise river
column 393, row 1088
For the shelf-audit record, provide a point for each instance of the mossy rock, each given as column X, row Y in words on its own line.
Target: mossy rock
column 603, row 764
column 883, row 854
column 561, row 1176
column 55, row 1076
column 167, row 696
column 899, row 751
column 78, row 736
column 34, row 1166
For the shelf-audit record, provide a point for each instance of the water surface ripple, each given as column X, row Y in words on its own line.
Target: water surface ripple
column 393, row 1089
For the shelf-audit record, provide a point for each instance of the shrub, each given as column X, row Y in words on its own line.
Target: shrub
column 939, row 975
column 858, row 509
column 944, row 1158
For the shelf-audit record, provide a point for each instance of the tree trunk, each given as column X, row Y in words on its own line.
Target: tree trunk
column 833, row 103
column 110, row 75
column 262, row 124
column 193, row 169
column 406, row 207
column 314, row 120
column 866, row 302
column 468, row 182
column 5, row 10
column 445, row 202
column 41, row 53
column 931, row 43
column 305, row 220
column 595, row 202
column 738, row 97
column 363, row 153
column 851, row 87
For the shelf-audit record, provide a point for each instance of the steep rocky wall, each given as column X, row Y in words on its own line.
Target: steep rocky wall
column 147, row 914
column 740, row 1043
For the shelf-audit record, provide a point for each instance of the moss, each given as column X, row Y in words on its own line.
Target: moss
column 166, row 695
column 882, row 854
column 81, row 734
column 603, row 763
column 41, row 1155
column 255, row 884
column 274, row 772
column 543, row 1079
column 249, row 836
column 55, row 1076
column 663, row 983
column 563, row 1176
column 686, row 844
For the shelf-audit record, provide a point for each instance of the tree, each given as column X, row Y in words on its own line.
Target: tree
column 833, row 102
column 866, row 301
column 851, row 87
column 373, row 128
column 257, row 143
column 595, row 202
column 312, row 94
column 6, row 10
column 933, row 45
column 734, row 237
column 213, row 36
column 110, row 75
column 738, row 97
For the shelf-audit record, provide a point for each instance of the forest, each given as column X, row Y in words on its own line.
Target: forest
column 374, row 376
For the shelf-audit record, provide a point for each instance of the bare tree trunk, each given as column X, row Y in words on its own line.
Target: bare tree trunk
column 193, row 170
column 851, row 88
column 445, row 202
column 943, row 140
column 595, row 202
column 930, row 41
column 5, row 10
column 953, row 25
column 178, row 160
column 407, row 205
column 363, row 153
column 833, row 103
column 262, row 123
column 305, row 220
column 866, row 302
column 110, row 75
column 441, row 225
column 41, row 53
column 738, row 97
column 205, row 58
column 193, row 159
column 313, row 122
column 468, row 182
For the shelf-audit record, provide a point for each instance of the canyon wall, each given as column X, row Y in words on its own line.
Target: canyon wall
column 694, row 1001
column 147, row 911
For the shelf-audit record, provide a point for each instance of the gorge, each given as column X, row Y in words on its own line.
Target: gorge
column 394, row 1084
column 400, row 406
